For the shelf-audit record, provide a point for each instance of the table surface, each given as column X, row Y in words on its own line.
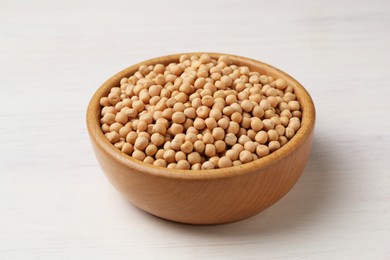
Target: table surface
column 55, row 203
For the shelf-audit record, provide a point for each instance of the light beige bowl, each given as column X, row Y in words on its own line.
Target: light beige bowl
column 205, row 196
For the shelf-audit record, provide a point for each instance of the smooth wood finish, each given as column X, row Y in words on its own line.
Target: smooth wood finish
column 205, row 197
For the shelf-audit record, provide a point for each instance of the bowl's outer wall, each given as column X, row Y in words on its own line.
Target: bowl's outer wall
column 206, row 198
column 211, row 201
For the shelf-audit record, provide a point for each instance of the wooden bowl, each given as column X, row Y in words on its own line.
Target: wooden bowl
column 205, row 196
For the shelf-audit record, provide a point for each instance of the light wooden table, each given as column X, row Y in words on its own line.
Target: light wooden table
column 55, row 203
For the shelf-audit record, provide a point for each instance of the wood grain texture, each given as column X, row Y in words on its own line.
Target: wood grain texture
column 56, row 203
column 205, row 196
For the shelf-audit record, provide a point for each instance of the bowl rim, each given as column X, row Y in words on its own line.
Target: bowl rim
column 101, row 142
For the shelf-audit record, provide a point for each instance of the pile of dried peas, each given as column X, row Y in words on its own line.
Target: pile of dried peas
column 199, row 113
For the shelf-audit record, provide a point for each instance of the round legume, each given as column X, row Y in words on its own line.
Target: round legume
column 200, row 113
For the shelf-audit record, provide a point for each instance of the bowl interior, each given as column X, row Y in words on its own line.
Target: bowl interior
column 101, row 142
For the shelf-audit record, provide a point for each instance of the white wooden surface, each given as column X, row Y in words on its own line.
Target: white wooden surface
column 55, row 203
